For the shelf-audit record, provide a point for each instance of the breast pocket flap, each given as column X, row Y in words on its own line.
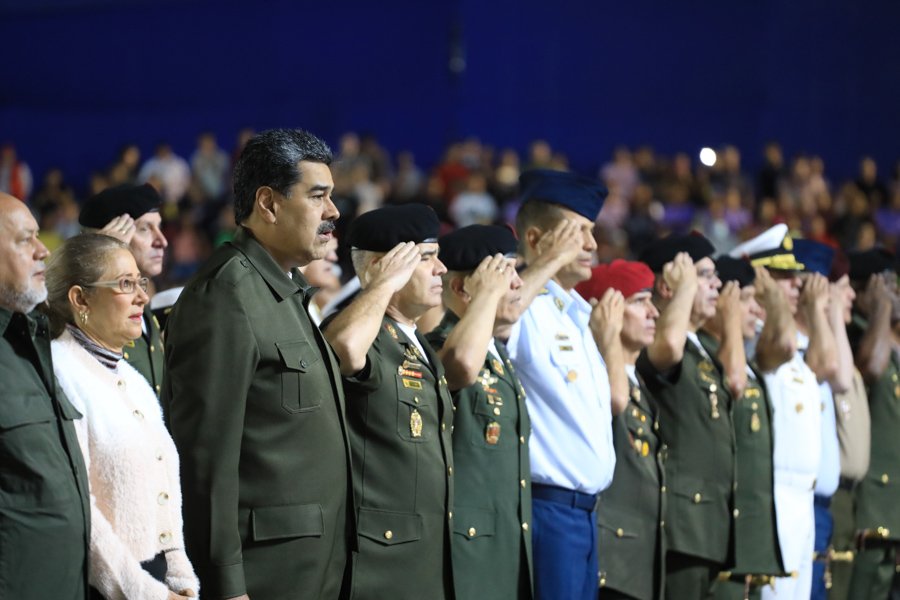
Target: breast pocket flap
column 290, row 521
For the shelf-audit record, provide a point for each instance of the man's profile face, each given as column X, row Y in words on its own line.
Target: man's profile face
column 305, row 217
column 423, row 290
column 639, row 321
column 790, row 284
column 579, row 269
column 149, row 244
column 708, row 284
column 22, row 255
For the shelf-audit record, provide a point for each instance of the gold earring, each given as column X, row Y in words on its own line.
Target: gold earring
column 83, row 317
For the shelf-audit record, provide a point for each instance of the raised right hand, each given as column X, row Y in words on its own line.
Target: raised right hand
column 680, row 272
column 121, row 227
column 814, row 295
column 394, row 268
column 875, row 293
column 492, row 275
column 565, row 241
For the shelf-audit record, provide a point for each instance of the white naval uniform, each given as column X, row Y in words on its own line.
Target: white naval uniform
column 568, row 395
column 797, row 414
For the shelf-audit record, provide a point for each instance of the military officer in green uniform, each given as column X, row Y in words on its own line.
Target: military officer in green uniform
column 757, row 556
column 252, row 391
column 399, row 408
column 631, row 509
column 44, row 510
column 491, row 553
column 878, row 495
column 685, row 381
column 131, row 213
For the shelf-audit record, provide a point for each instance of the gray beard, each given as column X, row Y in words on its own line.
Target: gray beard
column 23, row 301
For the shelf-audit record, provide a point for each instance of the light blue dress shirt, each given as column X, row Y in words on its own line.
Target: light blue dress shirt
column 567, row 392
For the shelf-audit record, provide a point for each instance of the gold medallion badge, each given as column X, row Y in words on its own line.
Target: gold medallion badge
column 415, row 424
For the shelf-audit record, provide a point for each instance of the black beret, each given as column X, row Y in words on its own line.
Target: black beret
column 381, row 229
column 660, row 252
column 735, row 269
column 583, row 195
column 134, row 200
column 864, row 264
column 464, row 249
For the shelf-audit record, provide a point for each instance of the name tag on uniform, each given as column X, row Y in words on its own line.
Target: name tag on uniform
column 412, row 384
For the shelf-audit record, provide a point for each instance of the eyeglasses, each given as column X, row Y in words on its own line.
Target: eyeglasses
column 125, row 285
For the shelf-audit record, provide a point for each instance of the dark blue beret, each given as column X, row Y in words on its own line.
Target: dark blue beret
column 381, row 229
column 735, row 269
column 134, row 200
column 464, row 249
column 864, row 264
column 583, row 195
column 815, row 256
column 660, row 252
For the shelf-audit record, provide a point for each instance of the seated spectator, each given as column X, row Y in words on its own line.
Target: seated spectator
column 96, row 300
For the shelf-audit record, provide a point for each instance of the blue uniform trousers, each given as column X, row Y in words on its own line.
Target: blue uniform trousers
column 824, row 528
column 564, row 544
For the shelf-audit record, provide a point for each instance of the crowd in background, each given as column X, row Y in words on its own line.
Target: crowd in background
column 649, row 194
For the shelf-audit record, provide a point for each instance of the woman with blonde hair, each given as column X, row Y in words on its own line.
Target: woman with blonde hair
column 96, row 297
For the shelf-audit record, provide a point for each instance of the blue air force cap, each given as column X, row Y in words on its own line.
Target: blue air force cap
column 465, row 248
column 381, row 229
column 582, row 195
column 815, row 256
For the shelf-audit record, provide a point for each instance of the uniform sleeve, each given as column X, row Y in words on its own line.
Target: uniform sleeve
column 211, row 358
column 653, row 378
column 369, row 379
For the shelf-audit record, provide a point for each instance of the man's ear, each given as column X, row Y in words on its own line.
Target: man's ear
column 533, row 236
column 458, row 285
column 264, row 203
column 662, row 288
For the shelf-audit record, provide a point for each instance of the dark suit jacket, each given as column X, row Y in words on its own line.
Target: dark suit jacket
column 253, row 400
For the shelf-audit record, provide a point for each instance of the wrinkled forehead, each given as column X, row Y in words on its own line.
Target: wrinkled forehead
column 428, row 248
column 15, row 218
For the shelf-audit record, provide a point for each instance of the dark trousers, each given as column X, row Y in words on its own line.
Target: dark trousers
column 689, row 577
column 564, row 541
column 824, row 529
column 843, row 539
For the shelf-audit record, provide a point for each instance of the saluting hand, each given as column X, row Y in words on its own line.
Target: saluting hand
column 394, row 268
column 680, row 272
column 492, row 276
column 607, row 317
column 728, row 306
column 121, row 227
column 564, row 241
column 876, row 293
column 768, row 294
column 814, row 295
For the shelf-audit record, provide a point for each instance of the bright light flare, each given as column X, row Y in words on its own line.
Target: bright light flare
column 708, row 156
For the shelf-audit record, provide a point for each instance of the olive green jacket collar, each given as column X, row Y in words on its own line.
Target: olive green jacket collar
column 277, row 280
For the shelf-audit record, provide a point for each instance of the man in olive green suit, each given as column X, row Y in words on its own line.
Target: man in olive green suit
column 687, row 386
column 630, row 510
column 490, row 550
column 878, row 494
column 131, row 213
column 399, row 408
column 757, row 556
column 44, row 506
column 252, row 391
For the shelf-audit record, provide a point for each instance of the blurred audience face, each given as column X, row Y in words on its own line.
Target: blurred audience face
column 114, row 317
column 322, row 273
column 149, row 243
column 708, row 284
column 847, row 296
column 22, row 255
column 639, row 324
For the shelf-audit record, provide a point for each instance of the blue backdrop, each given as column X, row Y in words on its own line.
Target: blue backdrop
column 81, row 77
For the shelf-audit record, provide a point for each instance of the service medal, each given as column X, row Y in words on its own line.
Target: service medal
column 415, row 424
column 492, row 433
column 754, row 423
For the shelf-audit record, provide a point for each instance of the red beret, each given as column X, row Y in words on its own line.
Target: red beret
column 629, row 277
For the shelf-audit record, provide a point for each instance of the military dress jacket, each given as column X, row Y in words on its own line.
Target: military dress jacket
column 491, row 551
column 756, row 547
column 629, row 513
column 400, row 415
column 694, row 410
column 878, row 495
column 253, row 400
column 145, row 353
column 44, row 502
